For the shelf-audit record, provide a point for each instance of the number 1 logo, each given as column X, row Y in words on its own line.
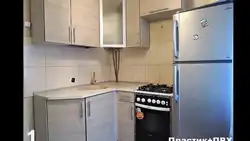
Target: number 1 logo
column 32, row 135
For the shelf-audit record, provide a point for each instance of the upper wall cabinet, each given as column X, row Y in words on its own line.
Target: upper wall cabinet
column 73, row 22
column 153, row 10
column 137, row 29
column 85, row 22
column 121, row 25
column 112, row 23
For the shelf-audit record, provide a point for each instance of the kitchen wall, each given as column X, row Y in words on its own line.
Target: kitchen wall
column 53, row 66
column 153, row 64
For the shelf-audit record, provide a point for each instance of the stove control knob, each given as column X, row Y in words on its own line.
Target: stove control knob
column 142, row 100
column 158, row 102
column 149, row 100
column 162, row 102
column 166, row 103
column 138, row 99
column 153, row 101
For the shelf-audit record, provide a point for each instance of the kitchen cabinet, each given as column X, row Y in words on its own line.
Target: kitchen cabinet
column 90, row 119
column 59, row 120
column 101, row 117
column 66, row 120
column 153, row 10
column 126, row 119
column 112, row 23
column 85, row 22
column 121, row 25
column 72, row 22
column 137, row 29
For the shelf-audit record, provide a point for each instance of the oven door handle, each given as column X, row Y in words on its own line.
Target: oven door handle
column 152, row 107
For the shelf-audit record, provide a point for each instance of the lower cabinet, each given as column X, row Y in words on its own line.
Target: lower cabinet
column 89, row 119
column 66, row 120
column 126, row 117
column 101, row 117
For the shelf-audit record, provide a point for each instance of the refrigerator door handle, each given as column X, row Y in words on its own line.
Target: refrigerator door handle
column 176, row 84
column 176, row 38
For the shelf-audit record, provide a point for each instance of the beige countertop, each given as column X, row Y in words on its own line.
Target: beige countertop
column 84, row 91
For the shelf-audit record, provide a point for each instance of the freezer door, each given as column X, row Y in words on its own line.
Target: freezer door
column 204, row 34
column 204, row 103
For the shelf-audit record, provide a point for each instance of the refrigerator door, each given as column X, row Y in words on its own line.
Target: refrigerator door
column 204, row 34
column 203, row 99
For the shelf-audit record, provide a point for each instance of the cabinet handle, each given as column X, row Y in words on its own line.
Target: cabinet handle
column 89, row 113
column 158, row 10
column 74, row 35
column 69, row 35
column 132, row 112
column 81, row 112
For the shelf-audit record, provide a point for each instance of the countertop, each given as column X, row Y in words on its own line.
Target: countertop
column 80, row 91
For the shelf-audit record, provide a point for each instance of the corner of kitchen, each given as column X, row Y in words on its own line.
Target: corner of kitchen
column 128, row 70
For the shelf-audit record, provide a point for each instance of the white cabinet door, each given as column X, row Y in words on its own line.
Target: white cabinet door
column 85, row 22
column 133, row 23
column 148, row 7
column 101, row 118
column 112, row 23
column 66, row 120
column 57, row 21
column 126, row 121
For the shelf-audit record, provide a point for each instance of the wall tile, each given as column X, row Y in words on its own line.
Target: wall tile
column 84, row 74
column 34, row 55
column 112, row 73
column 54, row 56
column 166, row 74
column 28, row 123
column 55, row 77
column 161, row 43
column 103, row 73
column 93, row 57
column 70, row 56
column 133, row 56
column 132, row 73
column 106, row 73
column 34, row 80
column 70, row 72
column 153, row 74
column 165, row 54
column 157, row 60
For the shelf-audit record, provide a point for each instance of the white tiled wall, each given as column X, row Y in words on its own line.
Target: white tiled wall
column 49, row 67
column 152, row 65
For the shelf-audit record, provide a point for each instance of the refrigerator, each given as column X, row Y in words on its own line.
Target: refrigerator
column 203, row 72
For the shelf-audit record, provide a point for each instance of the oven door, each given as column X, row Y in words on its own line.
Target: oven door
column 152, row 123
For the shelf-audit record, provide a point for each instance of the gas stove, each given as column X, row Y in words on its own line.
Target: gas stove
column 158, row 88
column 157, row 95
column 153, row 112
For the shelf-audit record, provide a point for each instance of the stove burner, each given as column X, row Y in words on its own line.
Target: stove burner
column 160, row 88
